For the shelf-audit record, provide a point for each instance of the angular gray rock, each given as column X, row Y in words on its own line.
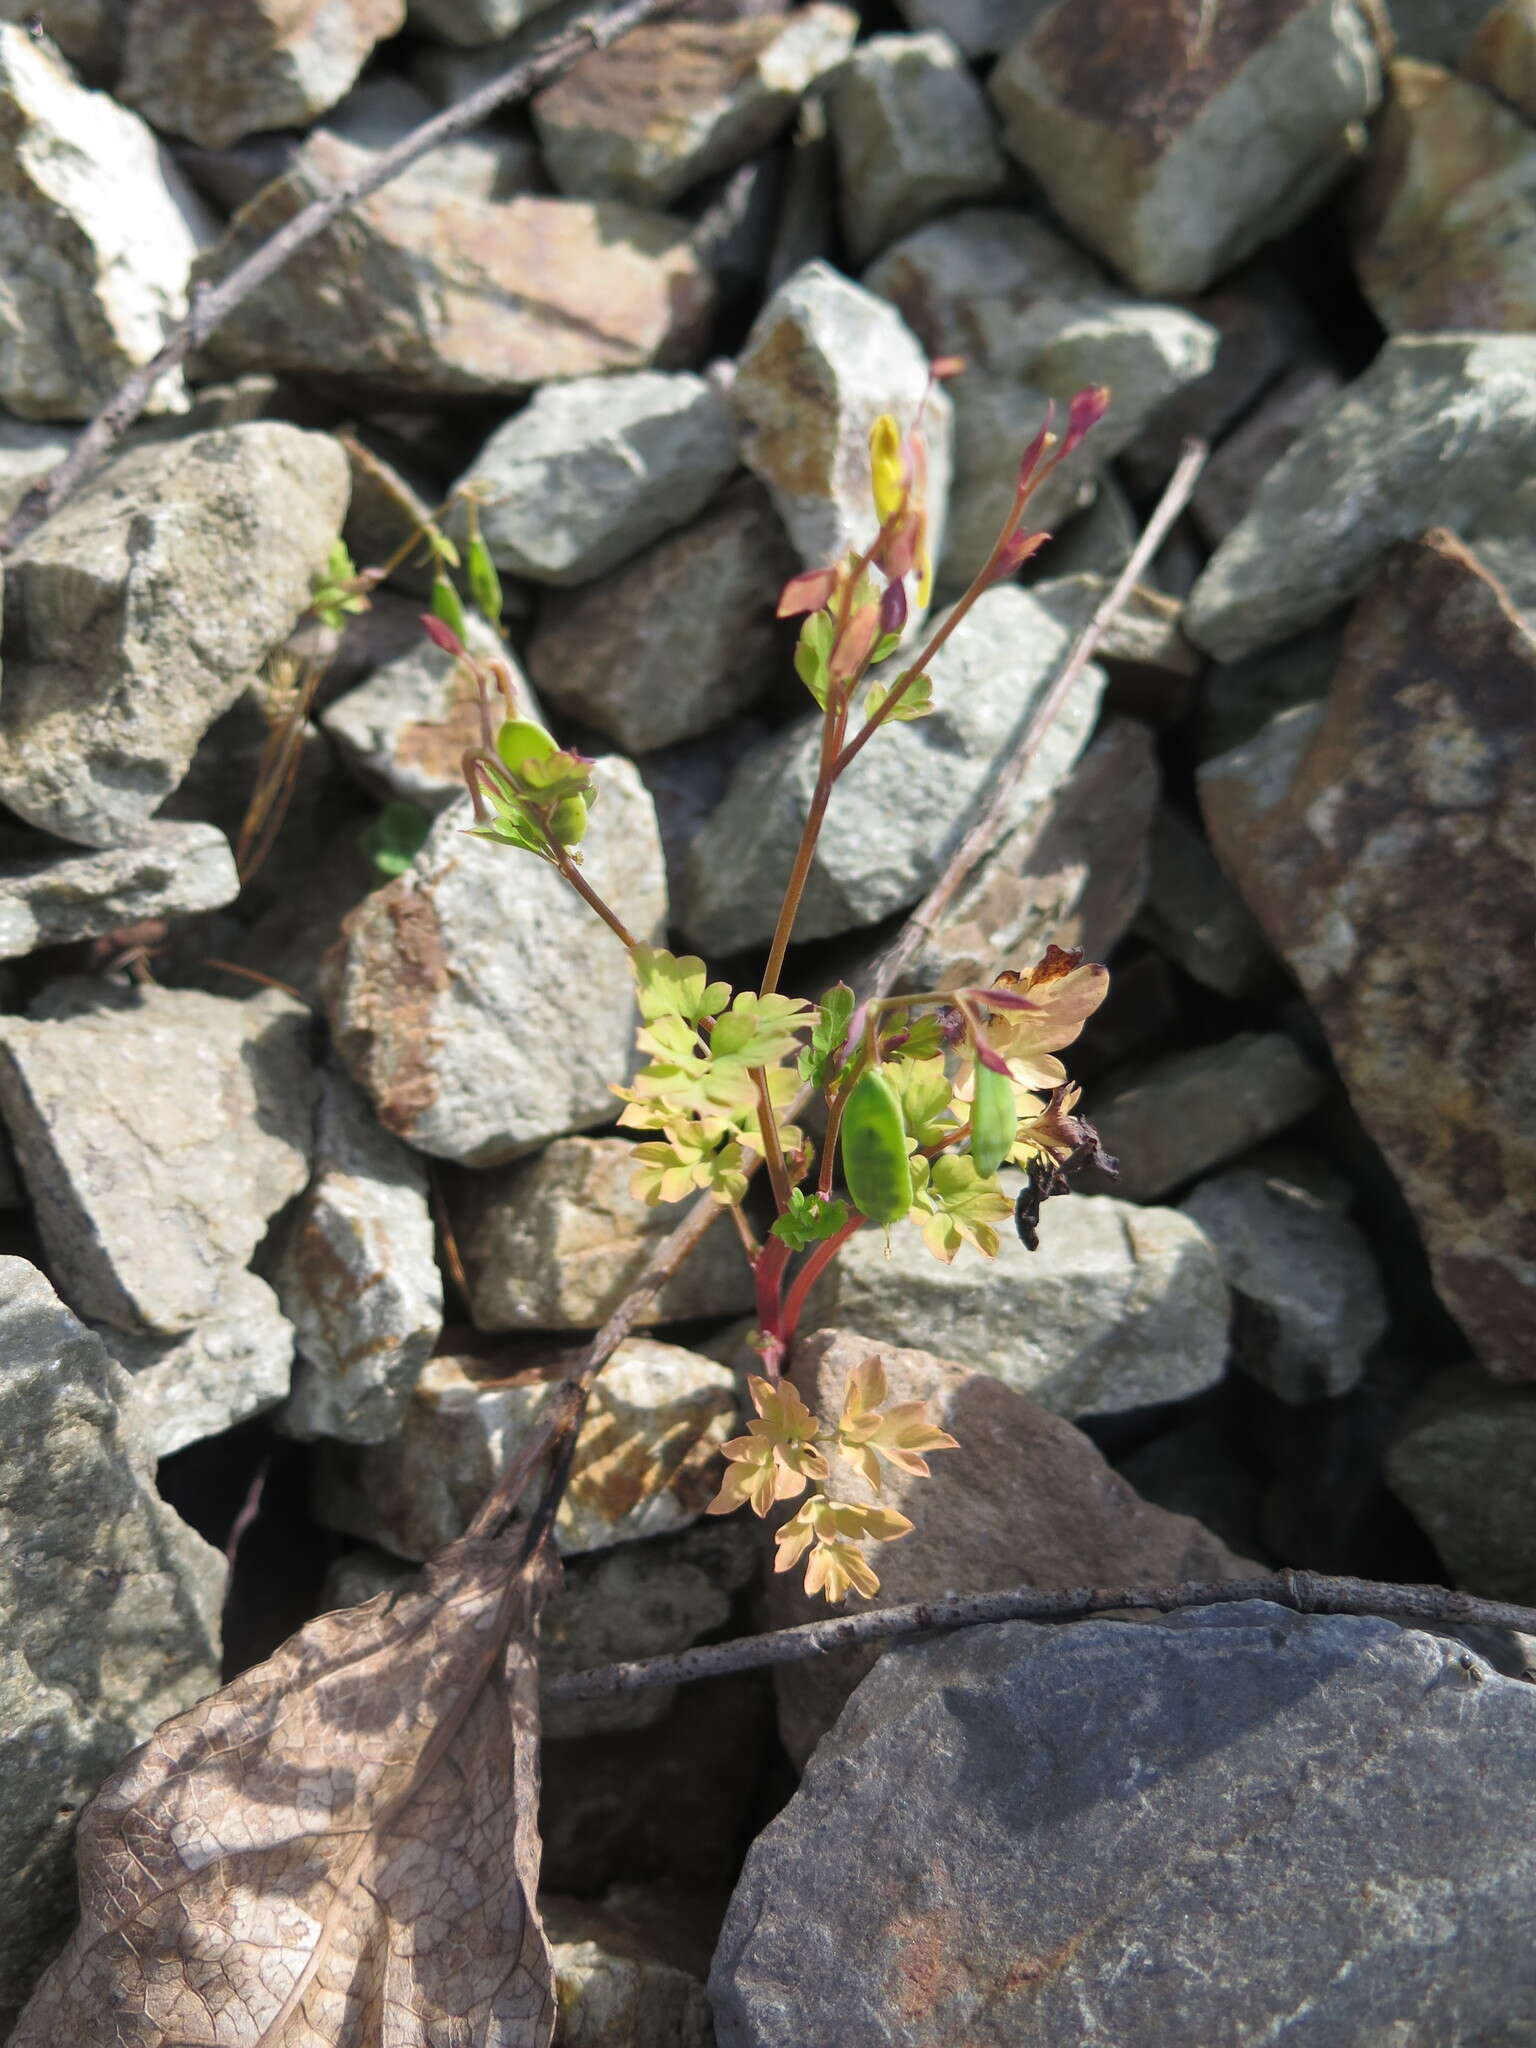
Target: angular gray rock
column 252, row 65
column 905, row 802
column 614, row 1987
column 1150, row 133
column 555, row 1242
column 1439, row 431
column 1246, row 456
column 1464, row 1466
column 157, row 1129
column 680, row 639
column 50, row 898
column 109, row 1604
column 1026, row 1500
column 645, row 1460
column 138, row 614
column 1307, row 1291
column 419, row 291
column 914, row 137
column 592, row 470
column 357, row 1276
column 980, row 28
column 451, row 997
column 1120, row 1307
column 997, row 415
column 28, row 450
column 89, row 32
column 472, row 22
column 1193, row 1110
column 234, row 1364
column 823, row 360
column 98, row 231
column 1190, row 1830
column 1241, row 697
column 1196, row 916
column 676, row 101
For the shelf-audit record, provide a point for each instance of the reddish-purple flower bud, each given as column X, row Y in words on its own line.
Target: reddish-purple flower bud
column 893, row 608
column 1088, row 408
column 444, row 636
column 807, row 592
column 1031, row 459
column 1016, row 552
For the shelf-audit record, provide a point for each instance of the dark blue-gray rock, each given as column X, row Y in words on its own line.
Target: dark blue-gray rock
column 1237, row 1825
column 1464, row 1465
column 50, row 896
column 1195, row 915
column 978, row 27
column 109, row 1604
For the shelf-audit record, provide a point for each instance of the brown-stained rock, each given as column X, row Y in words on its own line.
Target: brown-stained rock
column 1385, row 839
column 409, row 292
column 1444, row 220
column 1147, row 124
column 1502, row 54
column 1027, row 1500
column 680, row 639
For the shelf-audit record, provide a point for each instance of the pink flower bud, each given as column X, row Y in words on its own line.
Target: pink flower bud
column 444, row 636
column 1029, row 462
column 1020, row 546
column 1088, row 408
column 807, row 592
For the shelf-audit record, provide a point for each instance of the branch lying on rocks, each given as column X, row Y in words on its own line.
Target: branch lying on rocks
column 212, row 304
column 1306, row 1592
column 677, row 1247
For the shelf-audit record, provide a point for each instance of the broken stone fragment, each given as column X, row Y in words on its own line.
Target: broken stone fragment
column 139, row 612
column 914, row 137
column 158, row 1130
column 1383, row 840
column 51, row 898
column 614, row 1986
column 680, row 639
column 1464, row 1465
column 1148, row 129
column 1195, row 915
column 676, row 101
column 357, row 1276
column 424, row 292
column 1119, row 1308
column 593, row 469
column 451, row 993
column 98, row 231
column 1231, row 478
column 109, row 1604
column 556, row 1242
column 234, row 1364
column 1502, row 55
column 251, row 65
column 1026, row 1500
column 645, row 1461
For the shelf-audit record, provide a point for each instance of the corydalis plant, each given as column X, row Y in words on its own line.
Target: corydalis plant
column 928, row 1096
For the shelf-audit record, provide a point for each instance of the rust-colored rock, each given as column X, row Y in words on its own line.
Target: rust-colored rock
column 1387, row 842
column 1027, row 1500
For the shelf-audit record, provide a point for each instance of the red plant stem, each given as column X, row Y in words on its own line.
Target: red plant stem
column 768, row 1276
column 820, row 1258
column 589, row 895
column 794, row 889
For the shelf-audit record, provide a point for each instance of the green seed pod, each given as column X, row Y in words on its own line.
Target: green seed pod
column 484, row 583
column 874, row 1150
column 446, row 605
column 519, row 740
column 569, row 824
column 994, row 1119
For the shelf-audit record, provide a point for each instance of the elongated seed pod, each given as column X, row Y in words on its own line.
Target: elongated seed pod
column 994, row 1119
column 446, row 606
column 874, row 1150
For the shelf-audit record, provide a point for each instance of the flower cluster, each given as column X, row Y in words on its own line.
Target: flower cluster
column 782, row 1454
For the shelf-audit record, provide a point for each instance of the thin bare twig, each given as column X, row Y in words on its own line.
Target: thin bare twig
column 1307, row 1592
column 212, row 304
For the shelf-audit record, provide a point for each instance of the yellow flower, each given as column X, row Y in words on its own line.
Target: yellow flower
column 887, row 468
column 864, row 1435
column 899, row 478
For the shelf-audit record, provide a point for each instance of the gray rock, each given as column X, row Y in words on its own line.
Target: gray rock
column 256, row 64
column 234, row 1364
column 109, row 1605
column 645, row 1461
column 1464, row 1466
column 612, row 1986
column 28, row 450
column 1072, row 873
column 420, row 291
column 50, row 898
column 1241, row 697
column 997, row 415
column 1153, row 143
column 1246, row 456
column 158, row 1129
column 1026, row 1500
column 555, row 1242
column 905, row 802
column 139, row 612
column 357, row 1276
column 914, row 137
column 1439, row 431
column 1502, row 55
column 473, row 22
column 1195, row 915
column 1119, row 1308
column 980, row 28
column 1152, row 668
column 680, row 639
column 451, row 997
column 494, row 161
column 98, row 231
column 823, row 360
column 405, row 730
column 1192, row 1110
column 592, row 470
column 1192, row 1470
column 89, row 32
column 676, row 101
column 1439, row 30
column 1190, row 1830
column 1309, row 1298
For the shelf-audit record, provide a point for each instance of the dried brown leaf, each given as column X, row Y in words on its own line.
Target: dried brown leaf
column 339, row 1850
